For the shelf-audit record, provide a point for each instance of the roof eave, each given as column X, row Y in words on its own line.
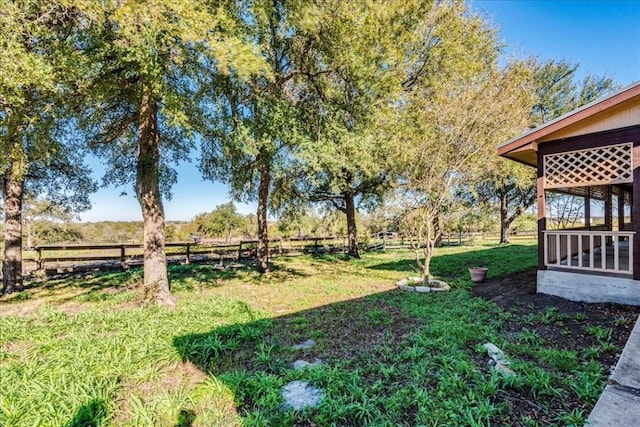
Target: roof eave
column 569, row 119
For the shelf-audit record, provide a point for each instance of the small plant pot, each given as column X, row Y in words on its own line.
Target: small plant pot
column 478, row 274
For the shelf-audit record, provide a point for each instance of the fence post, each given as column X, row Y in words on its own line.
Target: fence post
column 40, row 260
column 188, row 247
column 239, row 251
column 123, row 258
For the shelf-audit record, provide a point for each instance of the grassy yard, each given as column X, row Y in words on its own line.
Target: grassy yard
column 82, row 352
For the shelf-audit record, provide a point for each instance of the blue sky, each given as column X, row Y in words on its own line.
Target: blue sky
column 602, row 36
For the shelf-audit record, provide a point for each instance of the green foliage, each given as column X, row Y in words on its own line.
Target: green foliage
column 128, row 51
column 557, row 91
column 446, row 125
column 34, row 131
column 346, row 162
column 223, row 221
column 315, row 223
column 50, row 233
column 509, row 187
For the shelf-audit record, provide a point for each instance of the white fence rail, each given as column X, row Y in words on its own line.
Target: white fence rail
column 601, row 251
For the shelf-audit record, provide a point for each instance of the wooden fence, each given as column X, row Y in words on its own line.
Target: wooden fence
column 74, row 256
column 69, row 257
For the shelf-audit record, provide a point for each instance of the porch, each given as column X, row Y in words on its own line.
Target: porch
column 594, row 262
column 589, row 266
column 591, row 154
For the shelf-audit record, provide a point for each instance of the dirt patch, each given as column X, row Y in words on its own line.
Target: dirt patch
column 555, row 316
column 560, row 323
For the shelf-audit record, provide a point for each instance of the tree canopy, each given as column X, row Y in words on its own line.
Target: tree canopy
column 41, row 157
column 297, row 105
column 143, row 65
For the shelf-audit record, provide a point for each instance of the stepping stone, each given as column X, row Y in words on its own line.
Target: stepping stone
column 305, row 345
column 303, row 364
column 300, row 394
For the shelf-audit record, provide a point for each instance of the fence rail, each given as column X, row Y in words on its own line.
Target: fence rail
column 51, row 258
column 70, row 256
column 599, row 251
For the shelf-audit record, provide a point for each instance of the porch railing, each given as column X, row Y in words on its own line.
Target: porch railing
column 602, row 251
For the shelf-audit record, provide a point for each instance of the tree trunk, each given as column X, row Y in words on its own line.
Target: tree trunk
column 352, row 232
column 429, row 245
column 156, row 282
column 12, row 193
column 504, row 218
column 263, row 234
column 437, row 227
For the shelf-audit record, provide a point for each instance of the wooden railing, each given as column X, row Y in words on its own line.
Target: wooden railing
column 601, row 251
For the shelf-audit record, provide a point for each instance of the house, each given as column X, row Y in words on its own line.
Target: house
column 594, row 153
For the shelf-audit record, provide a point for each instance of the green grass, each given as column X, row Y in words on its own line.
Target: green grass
column 80, row 352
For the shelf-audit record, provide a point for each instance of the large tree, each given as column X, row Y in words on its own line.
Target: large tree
column 256, row 124
column 451, row 117
column 143, row 64
column 39, row 155
column 364, row 48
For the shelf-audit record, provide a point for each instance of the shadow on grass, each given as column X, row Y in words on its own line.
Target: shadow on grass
column 186, row 418
column 89, row 286
column 501, row 260
column 255, row 359
column 92, row 414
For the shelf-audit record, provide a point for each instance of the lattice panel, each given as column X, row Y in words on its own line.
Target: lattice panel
column 598, row 166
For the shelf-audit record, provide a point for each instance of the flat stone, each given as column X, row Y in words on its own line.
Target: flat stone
column 439, row 286
column 303, row 364
column 495, row 353
column 300, row 394
column 402, row 282
column 305, row 345
column 417, row 284
column 504, row 370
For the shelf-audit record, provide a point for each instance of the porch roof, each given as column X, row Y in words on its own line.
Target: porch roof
column 622, row 109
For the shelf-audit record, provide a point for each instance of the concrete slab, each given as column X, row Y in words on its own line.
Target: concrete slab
column 627, row 371
column 615, row 408
column 589, row 287
column 619, row 404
